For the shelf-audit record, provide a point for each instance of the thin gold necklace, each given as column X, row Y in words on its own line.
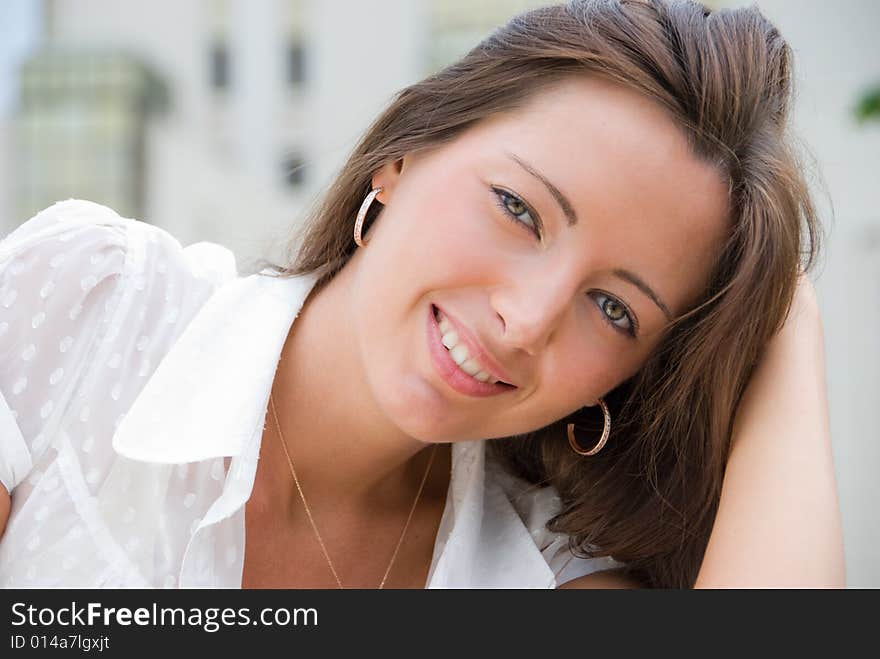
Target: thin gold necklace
column 312, row 520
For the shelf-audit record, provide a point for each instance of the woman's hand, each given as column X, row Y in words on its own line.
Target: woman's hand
column 778, row 521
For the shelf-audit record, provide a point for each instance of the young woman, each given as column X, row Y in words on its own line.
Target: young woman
column 548, row 327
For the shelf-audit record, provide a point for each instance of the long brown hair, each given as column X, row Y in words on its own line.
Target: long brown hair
column 649, row 498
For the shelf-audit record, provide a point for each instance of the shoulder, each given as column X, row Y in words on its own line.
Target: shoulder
column 80, row 260
column 76, row 233
column 86, row 258
column 62, row 220
column 89, row 302
column 60, row 278
column 616, row 578
column 70, row 245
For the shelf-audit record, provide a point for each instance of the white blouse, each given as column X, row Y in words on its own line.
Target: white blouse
column 134, row 383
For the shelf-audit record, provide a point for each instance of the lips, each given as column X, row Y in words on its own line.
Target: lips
column 448, row 370
column 475, row 350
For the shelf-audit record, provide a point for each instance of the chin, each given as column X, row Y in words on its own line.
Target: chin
column 417, row 409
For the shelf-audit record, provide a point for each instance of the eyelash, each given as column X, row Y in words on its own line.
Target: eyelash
column 501, row 196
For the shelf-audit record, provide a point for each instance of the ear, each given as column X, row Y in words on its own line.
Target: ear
column 387, row 178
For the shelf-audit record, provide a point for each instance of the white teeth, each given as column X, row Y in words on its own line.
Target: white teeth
column 471, row 367
column 450, row 339
column 459, row 352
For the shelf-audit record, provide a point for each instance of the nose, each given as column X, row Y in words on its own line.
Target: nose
column 531, row 309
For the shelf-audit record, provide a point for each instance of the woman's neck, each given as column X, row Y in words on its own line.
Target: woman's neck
column 346, row 452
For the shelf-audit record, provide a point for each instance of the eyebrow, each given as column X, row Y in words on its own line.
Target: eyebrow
column 560, row 198
column 639, row 283
column 571, row 216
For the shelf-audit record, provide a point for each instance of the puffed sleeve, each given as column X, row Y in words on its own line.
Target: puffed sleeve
column 61, row 275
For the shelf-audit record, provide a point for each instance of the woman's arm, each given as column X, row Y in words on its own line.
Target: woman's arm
column 778, row 521
column 5, row 504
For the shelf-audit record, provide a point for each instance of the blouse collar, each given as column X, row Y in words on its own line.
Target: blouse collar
column 211, row 390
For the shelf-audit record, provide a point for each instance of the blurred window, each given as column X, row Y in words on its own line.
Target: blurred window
column 219, row 66
column 293, row 166
column 295, row 63
column 81, row 129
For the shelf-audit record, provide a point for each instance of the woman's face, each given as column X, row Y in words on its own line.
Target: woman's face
column 562, row 238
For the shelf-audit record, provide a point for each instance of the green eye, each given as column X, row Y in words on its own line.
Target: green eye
column 614, row 311
column 515, row 208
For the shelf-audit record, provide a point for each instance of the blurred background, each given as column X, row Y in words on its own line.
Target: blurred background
column 221, row 120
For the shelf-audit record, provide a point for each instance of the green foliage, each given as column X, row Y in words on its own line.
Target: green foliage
column 868, row 106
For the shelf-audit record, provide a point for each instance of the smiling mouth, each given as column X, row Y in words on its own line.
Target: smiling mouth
column 462, row 358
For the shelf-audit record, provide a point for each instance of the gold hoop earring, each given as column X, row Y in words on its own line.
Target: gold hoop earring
column 362, row 213
column 606, row 432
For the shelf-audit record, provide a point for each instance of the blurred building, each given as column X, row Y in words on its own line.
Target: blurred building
column 219, row 120
column 81, row 130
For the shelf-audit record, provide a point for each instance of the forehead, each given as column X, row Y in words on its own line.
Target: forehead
column 629, row 173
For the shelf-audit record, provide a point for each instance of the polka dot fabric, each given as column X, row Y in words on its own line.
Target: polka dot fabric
column 134, row 383
column 89, row 304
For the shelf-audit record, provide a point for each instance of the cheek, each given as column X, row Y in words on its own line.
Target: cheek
column 457, row 241
column 584, row 367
